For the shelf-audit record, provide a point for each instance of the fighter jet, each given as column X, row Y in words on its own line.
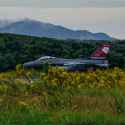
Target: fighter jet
column 97, row 59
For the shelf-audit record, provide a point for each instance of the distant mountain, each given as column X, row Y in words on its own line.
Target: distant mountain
column 40, row 29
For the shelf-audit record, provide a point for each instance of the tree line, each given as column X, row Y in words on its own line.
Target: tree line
column 17, row 49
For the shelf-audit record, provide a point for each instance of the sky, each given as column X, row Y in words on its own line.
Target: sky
column 64, row 3
column 94, row 15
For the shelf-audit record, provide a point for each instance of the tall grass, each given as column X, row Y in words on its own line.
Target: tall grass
column 23, row 116
column 62, row 98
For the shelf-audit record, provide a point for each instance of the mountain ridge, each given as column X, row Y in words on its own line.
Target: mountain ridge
column 41, row 29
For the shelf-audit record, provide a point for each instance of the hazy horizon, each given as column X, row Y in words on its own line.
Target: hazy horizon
column 107, row 20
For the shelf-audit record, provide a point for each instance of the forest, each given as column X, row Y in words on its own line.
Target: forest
column 18, row 49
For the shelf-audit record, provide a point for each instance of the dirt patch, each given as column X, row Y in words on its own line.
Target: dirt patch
column 82, row 124
column 94, row 104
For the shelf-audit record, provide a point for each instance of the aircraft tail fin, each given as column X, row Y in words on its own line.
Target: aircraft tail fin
column 101, row 52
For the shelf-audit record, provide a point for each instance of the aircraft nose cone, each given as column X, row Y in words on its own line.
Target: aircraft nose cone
column 30, row 64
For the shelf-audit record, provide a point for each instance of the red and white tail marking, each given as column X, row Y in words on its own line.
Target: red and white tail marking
column 101, row 52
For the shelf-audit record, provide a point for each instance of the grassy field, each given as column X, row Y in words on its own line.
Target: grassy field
column 57, row 97
column 34, row 117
